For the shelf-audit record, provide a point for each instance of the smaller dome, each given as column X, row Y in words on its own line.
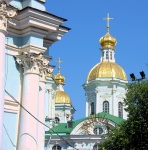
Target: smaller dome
column 62, row 98
column 108, row 41
column 59, row 78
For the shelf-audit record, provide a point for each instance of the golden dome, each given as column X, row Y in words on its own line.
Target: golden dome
column 106, row 70
column 108, row 41
column 59, row 78
column 62, row 98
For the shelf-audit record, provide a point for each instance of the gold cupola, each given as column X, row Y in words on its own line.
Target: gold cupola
column 108, row 41
column 106, row 70
column 59, row 78
column 62, row 98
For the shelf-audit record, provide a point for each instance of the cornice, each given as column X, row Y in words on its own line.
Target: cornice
column 15, row 50
column 34, row 21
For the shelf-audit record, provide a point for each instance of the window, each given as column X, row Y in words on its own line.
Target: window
column 98, row 131
column 111, row 56
column 120, row 110
column 103, row 54
column 92, row 109
column 106, row 54
column 106, row 107
column 95, row 147
column 57, row 120
column 56, row 147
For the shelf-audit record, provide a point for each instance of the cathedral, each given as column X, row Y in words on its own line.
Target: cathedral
column 36, row 113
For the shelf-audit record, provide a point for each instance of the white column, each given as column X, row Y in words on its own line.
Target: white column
column 28, row 133
column 114, row 103
column 41, row 128
column 2, row 82
column 86, row 108
column 4, row 15
column 41, row 108
column 53, row 104
column 97, row 101
column 50, row 104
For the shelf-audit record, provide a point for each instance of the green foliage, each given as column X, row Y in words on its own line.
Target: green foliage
column 132, row 133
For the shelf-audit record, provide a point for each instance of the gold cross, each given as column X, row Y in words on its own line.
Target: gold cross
column 59, row 62
column 107, row 19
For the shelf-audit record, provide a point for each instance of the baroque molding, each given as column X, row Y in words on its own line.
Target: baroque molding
column 6, row 12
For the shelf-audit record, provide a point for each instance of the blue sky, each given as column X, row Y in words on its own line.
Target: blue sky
column 79, row 48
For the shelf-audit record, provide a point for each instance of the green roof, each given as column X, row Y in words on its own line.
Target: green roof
column 61, row 128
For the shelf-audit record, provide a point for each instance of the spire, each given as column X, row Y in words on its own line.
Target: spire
column 59, row 62
column 107, row 19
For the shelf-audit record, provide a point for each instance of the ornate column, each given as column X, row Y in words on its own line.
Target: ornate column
column 5, row 13
column 28, row 133
column 41, row 108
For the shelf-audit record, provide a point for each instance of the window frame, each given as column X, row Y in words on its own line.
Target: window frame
column 92, row 108
column 106, row 107
column 120, row 109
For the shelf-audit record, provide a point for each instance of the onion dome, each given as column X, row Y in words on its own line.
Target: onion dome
column 62, row 98
column 59, row 78
column 107, row 70
column 108, row 41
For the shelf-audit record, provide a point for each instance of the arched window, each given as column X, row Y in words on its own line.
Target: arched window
column 98, row 131
column 120, row 110
column 106, row 107
column 56, row 147
column 57, row 120
column 92, row 109
column 95, row 147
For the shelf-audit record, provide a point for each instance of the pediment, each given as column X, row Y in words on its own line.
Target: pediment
column 93, row 126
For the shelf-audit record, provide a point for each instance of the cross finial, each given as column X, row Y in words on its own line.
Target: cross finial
column 59, row 62
column 108, row 19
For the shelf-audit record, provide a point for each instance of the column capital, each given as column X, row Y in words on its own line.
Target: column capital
column 33, row 63
column 45, row 71
column 6, row 12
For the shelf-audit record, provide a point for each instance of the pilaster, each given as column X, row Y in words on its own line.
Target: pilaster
column 114, row 103
column 86, row 109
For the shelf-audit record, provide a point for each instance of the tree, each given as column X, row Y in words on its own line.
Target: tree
column 132, row 134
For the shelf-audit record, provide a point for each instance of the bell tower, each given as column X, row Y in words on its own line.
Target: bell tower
column 105, row 86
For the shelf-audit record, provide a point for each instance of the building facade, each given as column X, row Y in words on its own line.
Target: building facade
column 35, row 111
column 26, row 33
column 105, row 89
